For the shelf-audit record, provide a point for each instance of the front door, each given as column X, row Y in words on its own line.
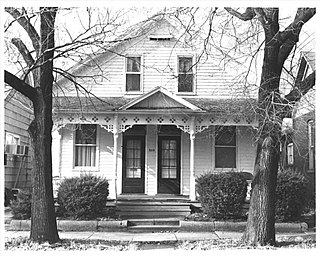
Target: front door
column 169, row 165
column 133, row 166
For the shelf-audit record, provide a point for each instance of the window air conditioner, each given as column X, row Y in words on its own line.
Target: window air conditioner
column 17, row 149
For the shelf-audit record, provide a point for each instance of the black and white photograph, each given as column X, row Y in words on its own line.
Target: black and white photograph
column 143, row 127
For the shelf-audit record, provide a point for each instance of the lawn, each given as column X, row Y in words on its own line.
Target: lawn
column 23, row 243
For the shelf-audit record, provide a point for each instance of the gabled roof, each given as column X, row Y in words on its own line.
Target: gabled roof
column 148, row 27
column 219, row 107
column 159, row 98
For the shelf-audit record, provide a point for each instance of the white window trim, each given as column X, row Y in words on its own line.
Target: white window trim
column 214, row 151
column 141, row 75
column 311, row 146
column 194, row 69
column 290, row 154
column 86, row 168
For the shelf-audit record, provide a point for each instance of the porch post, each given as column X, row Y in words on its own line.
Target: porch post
column 192, row 153
column 115, row 153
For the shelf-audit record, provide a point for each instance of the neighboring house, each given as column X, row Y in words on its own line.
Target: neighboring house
column 164, row 116
column 17, row 160
column 301, row 152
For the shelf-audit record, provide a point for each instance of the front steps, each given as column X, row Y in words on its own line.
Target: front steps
column 152, row 208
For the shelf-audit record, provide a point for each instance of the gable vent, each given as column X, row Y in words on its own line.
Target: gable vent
column 161, row 37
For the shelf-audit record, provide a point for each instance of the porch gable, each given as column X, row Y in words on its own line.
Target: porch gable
column 159, row 98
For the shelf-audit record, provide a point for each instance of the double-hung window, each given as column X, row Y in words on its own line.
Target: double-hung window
column 290, row 157
column 185, row 75
column 225, row 147
column 133, row 74
column 85, row 146
column 311, row 140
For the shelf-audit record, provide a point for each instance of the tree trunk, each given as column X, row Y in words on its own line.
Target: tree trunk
column 260, row 229
column 43, row 218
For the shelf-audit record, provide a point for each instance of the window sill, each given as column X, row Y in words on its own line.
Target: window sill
column 226, row 170
column 133, row 93
column 186, row 93
column 86, row 169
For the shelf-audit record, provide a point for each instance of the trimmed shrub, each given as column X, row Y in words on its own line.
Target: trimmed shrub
column 291, row 195
column 82, row 197
column 21, row 207
column 222, row 194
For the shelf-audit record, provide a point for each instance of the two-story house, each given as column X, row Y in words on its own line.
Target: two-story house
column 163, row 114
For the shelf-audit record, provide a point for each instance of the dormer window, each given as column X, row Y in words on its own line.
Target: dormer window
column 133, row 74
column 185, row 75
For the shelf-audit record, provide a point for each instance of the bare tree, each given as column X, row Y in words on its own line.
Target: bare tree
column 43, row 220
column 272, row 108
column 36, row 82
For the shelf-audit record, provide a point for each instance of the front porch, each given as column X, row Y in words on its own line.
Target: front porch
column 154, row 144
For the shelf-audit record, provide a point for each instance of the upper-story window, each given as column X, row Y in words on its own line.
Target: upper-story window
column 133, row 74
column 85, row 146
column 225, row 147
column 185, row 75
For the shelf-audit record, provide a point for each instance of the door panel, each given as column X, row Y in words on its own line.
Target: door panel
column 169, row 165
column 133, row 164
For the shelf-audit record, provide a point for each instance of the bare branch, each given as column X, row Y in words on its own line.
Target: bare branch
column 261, row 16
column 301, row 88
column 23, row 50
column 290, row 36
column 20, row 85
column 249, row 13
column 26, row 25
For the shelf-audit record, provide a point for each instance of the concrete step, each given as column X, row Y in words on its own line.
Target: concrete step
column 151, row 209
column 153, row 225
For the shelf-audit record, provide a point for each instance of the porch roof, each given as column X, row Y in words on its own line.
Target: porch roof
column 235, row 106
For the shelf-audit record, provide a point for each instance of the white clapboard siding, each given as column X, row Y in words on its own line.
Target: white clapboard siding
column 151, row 160
column 159, row 68
column 185, row 164
column 66, row 166
column 246, row 149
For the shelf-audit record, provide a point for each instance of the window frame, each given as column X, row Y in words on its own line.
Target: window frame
column 311, row 145
column 96, row 145
column 193, row 65
column 15, row 136
column 235, row 147
column 290, row 154
column 133, row 92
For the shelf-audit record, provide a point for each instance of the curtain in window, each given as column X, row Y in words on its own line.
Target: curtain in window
column 185, row 79
column 133, row 74
column 133, row 64
column 85, row 146
column 85, row 156
column 133, row 159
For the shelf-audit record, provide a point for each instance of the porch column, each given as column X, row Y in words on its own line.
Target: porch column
column 192, row 153
column 115, row 153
